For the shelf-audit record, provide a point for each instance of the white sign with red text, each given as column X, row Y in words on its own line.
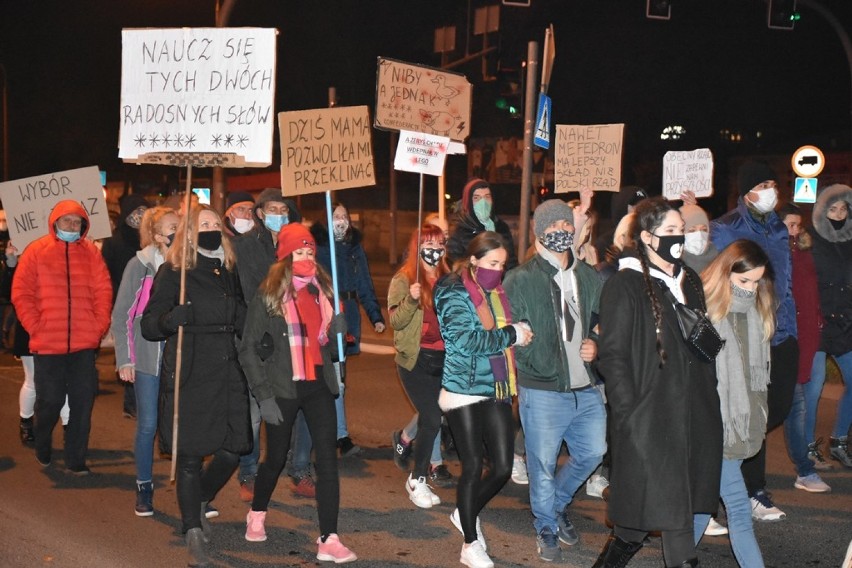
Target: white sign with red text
column 421, row 153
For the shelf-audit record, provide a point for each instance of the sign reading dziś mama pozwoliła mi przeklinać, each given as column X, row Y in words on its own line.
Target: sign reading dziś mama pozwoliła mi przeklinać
column 198, row 90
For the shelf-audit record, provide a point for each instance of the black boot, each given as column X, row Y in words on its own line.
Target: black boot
column 195, row 548
column 839, row 450
column 27, row 436
column 691, row 563
column 617, row 553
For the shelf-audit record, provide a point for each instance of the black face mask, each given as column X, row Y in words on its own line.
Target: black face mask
column 837, row 224
column 670, row 247
column 210, row 240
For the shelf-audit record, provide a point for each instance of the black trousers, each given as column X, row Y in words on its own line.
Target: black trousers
column 196, row 483
column 422, row 384
column 475, row 426
column 783, row 376
column 56, row 376
column 317, row 404
column 678, row 545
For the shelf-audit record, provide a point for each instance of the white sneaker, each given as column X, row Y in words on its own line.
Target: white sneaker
column 812, row 483
column 595, row 485
column 474, row 555
column 519, row 471
column 454, row 517
column 715, row 528
column 762, row 508
column 420, row 493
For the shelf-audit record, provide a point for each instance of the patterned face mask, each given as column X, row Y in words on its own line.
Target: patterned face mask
column 339, row 228
column 134, row 219
column 432, row 256
column 742, row 292
column 557, row 241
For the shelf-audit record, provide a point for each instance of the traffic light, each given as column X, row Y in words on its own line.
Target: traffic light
column 782, row 14
column 510, row 95
column 658, row 9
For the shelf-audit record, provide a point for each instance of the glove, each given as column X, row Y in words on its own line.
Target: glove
column 178, row 316
column 379, row 327
column 337, row 325
column 271, row 412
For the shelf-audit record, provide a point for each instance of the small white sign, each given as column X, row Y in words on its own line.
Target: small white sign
column 29, row 201
column 805, row 191
column 421, row 153
column 691, row 170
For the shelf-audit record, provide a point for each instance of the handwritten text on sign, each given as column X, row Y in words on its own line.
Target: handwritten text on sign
column 422, row 99
column 421, row 153
column 588, row 156
column 325, row 149
column 692, row 170
column 198, row 90
column 29, row 201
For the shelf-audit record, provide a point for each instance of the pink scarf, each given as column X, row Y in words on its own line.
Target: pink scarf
column 302, row 362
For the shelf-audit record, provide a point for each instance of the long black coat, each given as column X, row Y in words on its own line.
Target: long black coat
column 666, row 426
column 214, row 411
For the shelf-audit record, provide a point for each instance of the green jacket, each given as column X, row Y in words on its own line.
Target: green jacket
column 529, row 286
column 406, row 319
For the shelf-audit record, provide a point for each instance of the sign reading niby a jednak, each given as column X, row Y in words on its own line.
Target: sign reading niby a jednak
column 200, row 91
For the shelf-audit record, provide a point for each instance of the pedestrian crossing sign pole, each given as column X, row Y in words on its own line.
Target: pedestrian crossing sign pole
column 805, row 190
column 542, row 122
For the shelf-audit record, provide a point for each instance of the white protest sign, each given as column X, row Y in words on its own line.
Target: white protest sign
column 421, row 153
column 326, row 149
column 198, row 90
column 29, row 201
column 588, row 156
column 422, row 99
column 690, row 170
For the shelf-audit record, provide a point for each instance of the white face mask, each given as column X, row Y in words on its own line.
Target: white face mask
column 243, row 225
column 696, row 242
column 767, row 199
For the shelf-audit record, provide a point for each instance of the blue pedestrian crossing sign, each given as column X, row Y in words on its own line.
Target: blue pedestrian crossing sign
column 805, row 190
column 542, row 122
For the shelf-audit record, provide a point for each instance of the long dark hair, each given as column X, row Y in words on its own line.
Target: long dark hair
column 479, row 246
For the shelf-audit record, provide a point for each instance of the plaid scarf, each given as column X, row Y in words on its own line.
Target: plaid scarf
column 304, row 366
column 502, row 364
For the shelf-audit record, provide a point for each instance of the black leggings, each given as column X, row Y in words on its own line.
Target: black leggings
column 678, row 545
column 317, row 404
column 422, row 384
column 196, row 483
column 488, row 422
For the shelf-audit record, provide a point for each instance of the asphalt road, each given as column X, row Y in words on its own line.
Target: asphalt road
column 48, row 518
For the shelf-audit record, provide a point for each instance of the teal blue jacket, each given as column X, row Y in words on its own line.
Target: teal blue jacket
column 468, row 345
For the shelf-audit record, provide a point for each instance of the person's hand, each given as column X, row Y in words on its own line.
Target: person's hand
column 379, row 327
column 337, row 325
column 588, row 350
column 586, row 195
column 127, row 374
column 179, row 315
column 11, row 255
column 688, row 197
column 271, row 412
column 414, row 291
column 523, row 333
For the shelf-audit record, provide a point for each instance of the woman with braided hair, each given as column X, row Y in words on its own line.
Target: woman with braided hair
column 666, row 428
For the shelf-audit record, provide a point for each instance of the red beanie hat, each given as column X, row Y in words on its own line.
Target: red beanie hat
column 292, row 237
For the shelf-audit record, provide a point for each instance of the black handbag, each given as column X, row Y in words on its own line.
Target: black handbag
column 696, row 328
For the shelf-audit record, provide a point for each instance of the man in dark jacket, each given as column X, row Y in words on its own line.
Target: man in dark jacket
column 477, row 215
column 556, row 394
column 755, row 219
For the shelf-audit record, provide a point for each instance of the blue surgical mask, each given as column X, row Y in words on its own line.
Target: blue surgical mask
column 68, row 236
column 482, row 210
column 275, row 222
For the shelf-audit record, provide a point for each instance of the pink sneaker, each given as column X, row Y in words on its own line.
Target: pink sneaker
column 255, row 531
column 333, row 550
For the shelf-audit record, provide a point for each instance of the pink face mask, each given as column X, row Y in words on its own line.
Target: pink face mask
column 488, row 278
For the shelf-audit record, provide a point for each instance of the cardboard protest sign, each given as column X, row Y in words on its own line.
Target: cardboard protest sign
column 326, row 149
column 29, row 201
column 421, row 153
column 691, row 170
column 422, row 99
column 588, row 155
column 198, row 90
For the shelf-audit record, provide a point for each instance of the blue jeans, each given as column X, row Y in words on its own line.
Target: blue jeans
column 300, row 450
column 738, row 506
column 844, row 406
column 342, row 431
column 577, row 418
column 801, row 422
column 147, row 388
column 248, row 462
column 410, row 430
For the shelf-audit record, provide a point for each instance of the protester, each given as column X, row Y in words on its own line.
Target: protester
column 355, row 289
column 832, row 236
column 666, row 430
column 479, row 380
column 213, row 413
column 137, row 359
column 62, row 278
column 476, row 214
column 740, row 303
column 557, row 295
column 238, row 213
column 420, row 348
column 286, row 353
column 698, row 250
column 754, row 218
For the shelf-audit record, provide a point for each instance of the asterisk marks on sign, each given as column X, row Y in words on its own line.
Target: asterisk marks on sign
column 217, row 140
column 241, row 141
column 140, row 140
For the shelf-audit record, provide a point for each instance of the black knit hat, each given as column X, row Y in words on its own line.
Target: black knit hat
column 752, row 173
column 238, row 197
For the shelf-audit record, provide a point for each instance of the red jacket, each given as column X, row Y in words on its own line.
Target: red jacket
column 61, row 291
column 808, row 317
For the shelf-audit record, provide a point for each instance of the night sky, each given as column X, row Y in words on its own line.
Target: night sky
column 714, row 65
